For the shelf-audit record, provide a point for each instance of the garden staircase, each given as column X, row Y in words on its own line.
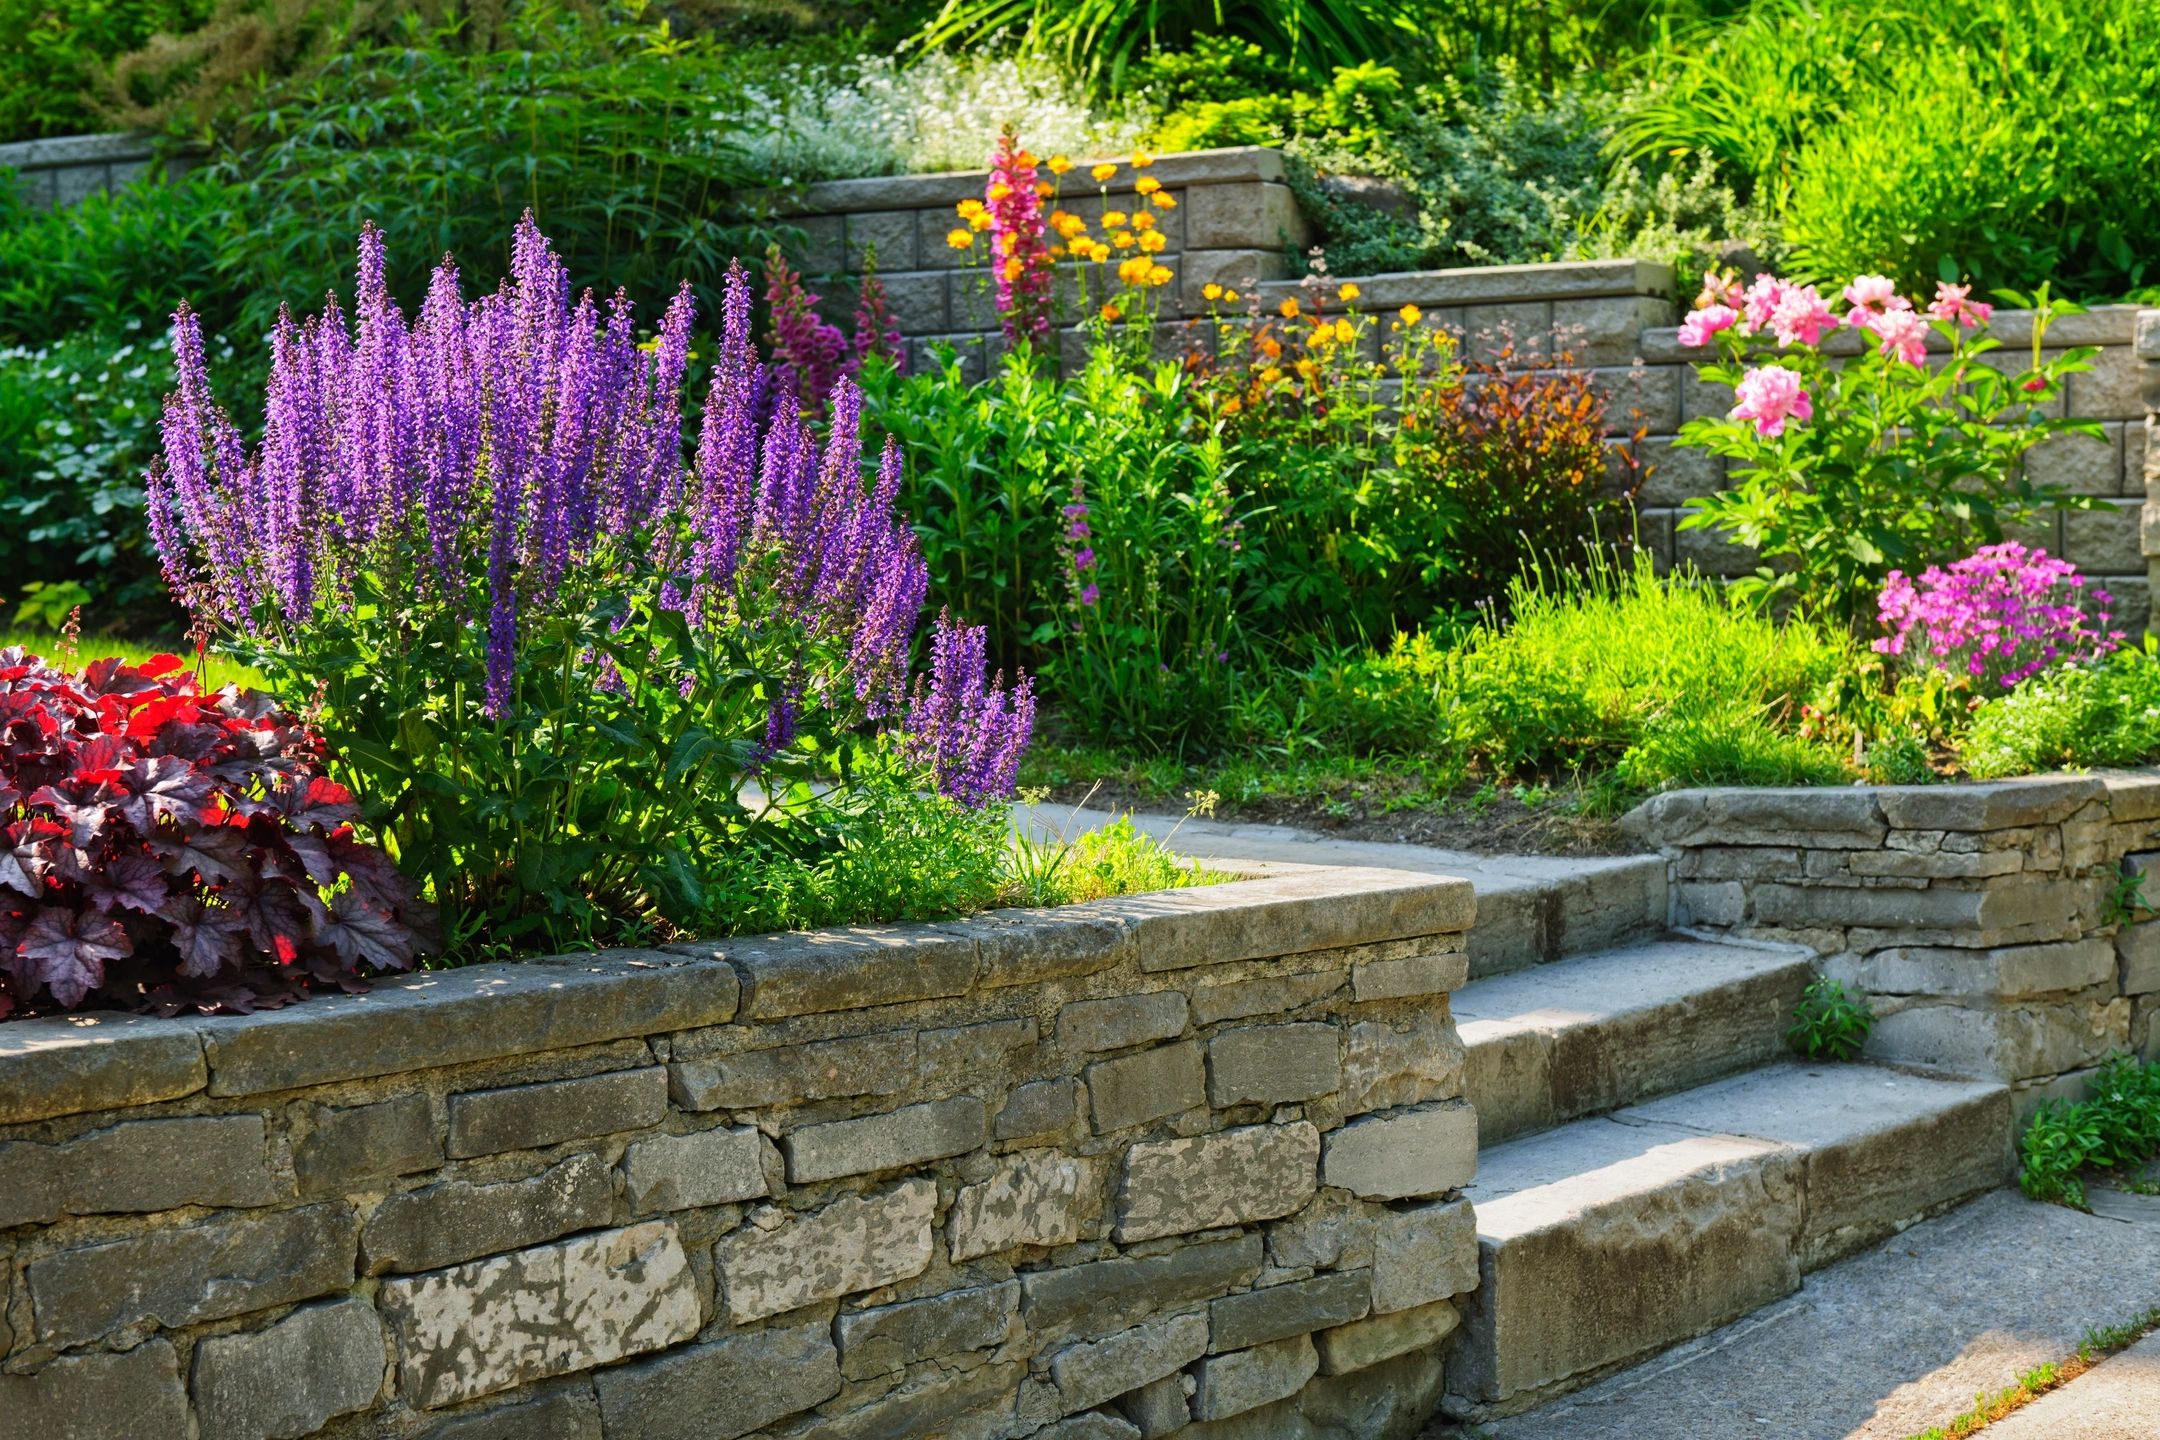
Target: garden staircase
column 1654, row 1162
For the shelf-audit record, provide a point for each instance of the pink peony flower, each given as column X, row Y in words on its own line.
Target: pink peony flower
column 1950, row 304
column 1761, row 301
column 1770, row 396
column 1872, row 295
column 1801, row 317
column 1701, row 324
column 1902, row 333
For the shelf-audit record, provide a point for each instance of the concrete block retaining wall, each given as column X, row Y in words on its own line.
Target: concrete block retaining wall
column 1100, row 1171
column 70, row 168
column 1979, row 919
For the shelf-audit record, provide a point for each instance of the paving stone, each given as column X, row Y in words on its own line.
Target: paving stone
column 492, row 1324
column 97, row 1397
column 1992, row 805
column 291, row 1378
column 1273, row 1064
column 1405, row 1153
column 1040, row 1107
column 455, row 1220
column 1093, row 1372
column 1434, row 974
column 191, row 1273
column 855, row 968
column 346, row 1145
column 1025, row 947
column 1242, row 999
column 417, row 1022
column 1387, row 1063
column 138, row 1166
column 528, row 1117
column 69, row 1064
column 1247, row 919
column 1159, row 1408
column 1121, row 1021
column 1423, row 1254
column 912, row 1136
column 1368, row 1342
column 685, row 1172
column 1828, row 818
column 894, row 1337
column 1105, row 1295
column 1252, row 1172
column 858, row 1065
column 1134, row 1089
column 1297, row 1308
column 782, row 1261
column 1033, row 1198
column 721, row 1390
column 1247, row 1379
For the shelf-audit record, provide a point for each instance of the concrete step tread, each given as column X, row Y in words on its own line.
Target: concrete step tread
column 1586, row 1035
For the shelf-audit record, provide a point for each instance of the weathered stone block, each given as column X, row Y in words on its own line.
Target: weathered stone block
column 1273, row 1064
column 291, row 1378
column 489, row 1325
column 1121, row 1021
column 719, row 1391
column 67, row 1064
column 563, row 1415
column 969, row 1404
column 2010, row 1043
column 191, row 1273
column 1037, row 1197
column 1823, row 819
column 907, row 1137
column 959, row 1056
column 1323, row 1237
column 1993, row 805
column 2137, row 947
column 1218, row 924
column 1252, row 1172
column 456, row 1220
column 888, row 236
column 1300, row 1307
column 1106, row 1295
column 97, row 1397
column 1422, row 1255
column 1158, row 1408
column 1273, row 995
column 1434, row 974
column 852, row 969
column 781, row 1261
column 1041, row 1107
column 1409, row 1152
column 1096, row 1425
column 346, row 1145
column 1998, row 906
column 1606, row 330
column 1247, row 1379
column 1367, row 1342
column 893, row 1337
column 2007, row 972
column 788, row 1075
column 528, row 1117
column 137, row 1166
column 1022, row 947
column 1090, row 1373
column 1134, row 1089
column 1386, row 1064
column 684, row 1172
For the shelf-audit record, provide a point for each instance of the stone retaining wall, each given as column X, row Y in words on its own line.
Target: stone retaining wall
column 1103, row 1171
column 1983, row 921
column 70, row 168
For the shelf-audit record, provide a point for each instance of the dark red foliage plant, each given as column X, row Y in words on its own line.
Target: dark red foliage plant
column 162, row 848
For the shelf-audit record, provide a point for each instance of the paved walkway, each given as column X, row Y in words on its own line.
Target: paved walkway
column 1902, row 1337
column 2119, row 1399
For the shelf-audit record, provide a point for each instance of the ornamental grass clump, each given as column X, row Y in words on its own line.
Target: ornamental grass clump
column 2000, row 616
column 572, row 672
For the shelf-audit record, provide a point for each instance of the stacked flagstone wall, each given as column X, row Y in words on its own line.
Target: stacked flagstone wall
column 1105, row 1171
column 1991, row 926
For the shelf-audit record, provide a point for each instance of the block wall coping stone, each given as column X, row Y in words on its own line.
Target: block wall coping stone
column 1501, row 284
column 1247, row 164
column 113, row 146
column 69, row 1064
column 2103, row 325
column 1774, row 816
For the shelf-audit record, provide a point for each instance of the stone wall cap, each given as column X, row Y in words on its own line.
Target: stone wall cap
column 98, row 1060
column 1501, row 284
column 2148, row 334
column 949, row 187
column 1843, row 816
column 2101, row 325
column 107, row 148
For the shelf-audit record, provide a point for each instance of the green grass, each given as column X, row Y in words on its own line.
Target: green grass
column 218, row 669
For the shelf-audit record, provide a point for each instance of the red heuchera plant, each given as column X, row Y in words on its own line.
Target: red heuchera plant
column 166, row 848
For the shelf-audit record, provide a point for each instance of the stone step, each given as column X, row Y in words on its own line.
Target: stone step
column 1607, row 1240
column 1586, row 1035
column 1531, row 908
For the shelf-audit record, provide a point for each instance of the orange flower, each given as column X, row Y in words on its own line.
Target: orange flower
column 1160, row 275
column 1153, row 241
column 1141, row 220
column 1013, row 267
column 1044, row 189
column 1307, row 371
column 1141, row 159
column 1100, row 253
column 1146, row 185
column 960, row 239
column 1123, row 240
column 1163, row 200
column 1270, row 375
column 1112, row 219
column 980, row 220
column 1232, row 405
column 1211, row 291
column 1270, row 347
column 1410, row 314
column 1230, row 295
column 1345, row 332
column 1059, row 164
column 1103, row 172
column 1111, row 313
column 999, row 190
column 1289, row 308
column 969, row 209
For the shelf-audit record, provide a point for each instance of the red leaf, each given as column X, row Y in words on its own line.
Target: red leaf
column 314, row 802
column 214, row 853
column 68, row 951
column 279, row 916
column 158, row 666
column 363, row 935
column 163, row 787
column 114, row 676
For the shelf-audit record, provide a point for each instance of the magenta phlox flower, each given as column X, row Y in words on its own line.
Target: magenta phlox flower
column 2001, row 616
column 1771, row 396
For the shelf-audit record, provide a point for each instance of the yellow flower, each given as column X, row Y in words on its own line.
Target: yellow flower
column 1160, row 275
column 1348, row 291
column 1163, row 200
column 1141, row 159
column 1211, row 291
column 1141, row 220
column 1270, row 346
column 1133, row 271
column 1103, row 172
column 1112, row 219
column 1024, row 159
column 1230, row 295
column 980, row 220
column 1013, row 267
column 999, row 190
column 960, row 239
column 1146, row 185
column 1059, row 164
column 1344, row 331
column 1008, row 242
column 1270, row 375
column 969, row 209
column 1307, row 371
column 1100, row 253
column 1289, row 308
column 1153, row 241
column 1410, row 314
column 1123, row 240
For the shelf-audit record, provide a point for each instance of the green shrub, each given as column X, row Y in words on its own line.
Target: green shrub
column 2118, row 1128
column 2104, row 714
column 1830, row 1022
column 53, row 53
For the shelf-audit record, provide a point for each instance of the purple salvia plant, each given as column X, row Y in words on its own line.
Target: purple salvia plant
column 968, row 734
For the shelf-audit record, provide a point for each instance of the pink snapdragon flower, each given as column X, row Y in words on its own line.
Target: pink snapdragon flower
column 1872, row 295
column 1770, row 396
column 1950, row 304
column 1902, row 333
column 1801, row 317
column 1701, row 324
